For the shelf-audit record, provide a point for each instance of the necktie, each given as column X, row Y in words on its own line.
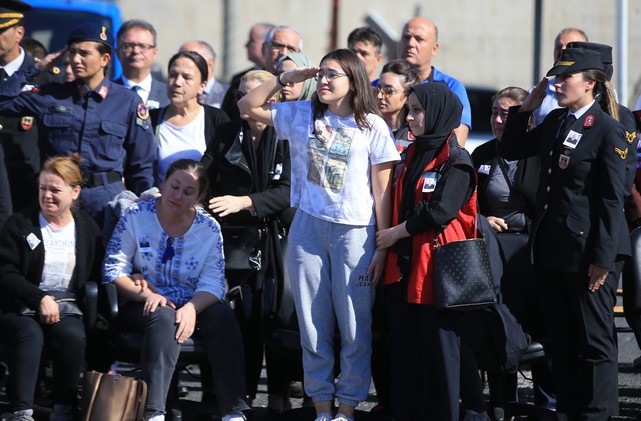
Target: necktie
column 3, row 75
column 569, row 120
column 135, row 88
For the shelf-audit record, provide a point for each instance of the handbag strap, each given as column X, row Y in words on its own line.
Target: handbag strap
column 510, row 185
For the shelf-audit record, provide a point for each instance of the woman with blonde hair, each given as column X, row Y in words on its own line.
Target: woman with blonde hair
column 46, row 255
column 250, row 180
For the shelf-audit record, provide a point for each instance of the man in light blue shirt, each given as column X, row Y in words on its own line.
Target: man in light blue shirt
column 418, row 45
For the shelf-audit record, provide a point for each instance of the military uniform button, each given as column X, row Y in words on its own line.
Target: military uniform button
column 547, row 188
column 549, row 170
column 551, row 153
column 545, row 207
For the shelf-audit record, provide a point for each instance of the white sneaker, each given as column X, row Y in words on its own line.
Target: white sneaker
column 234, row 416
column 324, row 416
column 342, row 417
column 24, row 415
column 154, row 416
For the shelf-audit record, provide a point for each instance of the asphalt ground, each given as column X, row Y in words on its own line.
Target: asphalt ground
column 193, row 409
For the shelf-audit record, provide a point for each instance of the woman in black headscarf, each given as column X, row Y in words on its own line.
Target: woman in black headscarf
column 433, row 196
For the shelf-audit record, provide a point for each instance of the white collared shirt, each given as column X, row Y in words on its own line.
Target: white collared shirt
column 144, row 87
column 579, row 113
column 15, row 64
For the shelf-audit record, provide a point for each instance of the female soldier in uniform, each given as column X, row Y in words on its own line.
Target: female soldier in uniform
column 105, row 123
column 579, row 237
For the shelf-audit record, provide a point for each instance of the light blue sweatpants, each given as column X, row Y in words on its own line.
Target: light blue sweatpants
column 328, row 264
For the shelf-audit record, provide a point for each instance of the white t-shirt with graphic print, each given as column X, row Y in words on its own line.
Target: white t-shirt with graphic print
column 331, row 159
column 60, row 255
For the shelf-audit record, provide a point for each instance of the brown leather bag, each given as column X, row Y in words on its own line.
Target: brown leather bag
column 107, row 397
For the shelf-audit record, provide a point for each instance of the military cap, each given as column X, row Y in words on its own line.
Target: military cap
column 603, row 49
column 92, row 31
column 574, row 60
column 12, row 12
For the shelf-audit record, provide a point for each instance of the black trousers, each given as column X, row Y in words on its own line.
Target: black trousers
column 583, row 343
column 65, row 344
column 425, row 348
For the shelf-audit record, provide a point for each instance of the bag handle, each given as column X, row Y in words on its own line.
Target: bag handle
column 475, row 228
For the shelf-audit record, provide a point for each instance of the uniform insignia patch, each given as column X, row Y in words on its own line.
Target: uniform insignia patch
column 55, row 70
column 103, row 34
column 103, row 91
column 26, row 123
column 622, row 153
column 589, row 121
column 142, row 111
column 630, row 137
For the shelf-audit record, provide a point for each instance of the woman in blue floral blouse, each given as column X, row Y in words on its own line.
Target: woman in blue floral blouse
column 175, row 247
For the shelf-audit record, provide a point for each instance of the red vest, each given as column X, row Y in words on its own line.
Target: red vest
column 420, row 288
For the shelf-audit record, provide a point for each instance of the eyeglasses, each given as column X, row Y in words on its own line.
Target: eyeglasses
column 169, row 251
column 277, row 46
column 128, row 47
column 329, row 74
column 386, row 91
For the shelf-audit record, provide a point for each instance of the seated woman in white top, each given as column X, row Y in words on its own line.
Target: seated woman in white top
column 175, row 246
column 47, row 253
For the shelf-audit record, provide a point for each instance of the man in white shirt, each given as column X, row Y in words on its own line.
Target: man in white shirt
column 215, row 90
column 137, row 51
column 561, row 41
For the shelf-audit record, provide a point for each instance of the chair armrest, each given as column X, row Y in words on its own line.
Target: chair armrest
column 112, row 303
column 91, row 304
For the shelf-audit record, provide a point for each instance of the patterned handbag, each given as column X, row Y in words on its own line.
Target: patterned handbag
column 462, row 275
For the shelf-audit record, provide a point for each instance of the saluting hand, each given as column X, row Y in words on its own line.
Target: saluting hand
column 536, row 97
column 49, row 60
column 299, row 74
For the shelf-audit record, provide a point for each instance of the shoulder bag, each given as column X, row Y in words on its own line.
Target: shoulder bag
column 112, row 397
column 462, row 274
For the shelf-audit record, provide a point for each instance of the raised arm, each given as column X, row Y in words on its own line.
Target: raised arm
column 256, row 103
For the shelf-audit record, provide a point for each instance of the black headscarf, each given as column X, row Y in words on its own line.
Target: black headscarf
column 442, row 115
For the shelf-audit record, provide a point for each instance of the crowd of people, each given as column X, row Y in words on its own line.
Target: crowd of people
column 332, row 177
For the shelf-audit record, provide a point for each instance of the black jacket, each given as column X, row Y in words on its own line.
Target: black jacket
column 21, row 267
column 235, row 170
column 579, row 213
column 526, row 180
